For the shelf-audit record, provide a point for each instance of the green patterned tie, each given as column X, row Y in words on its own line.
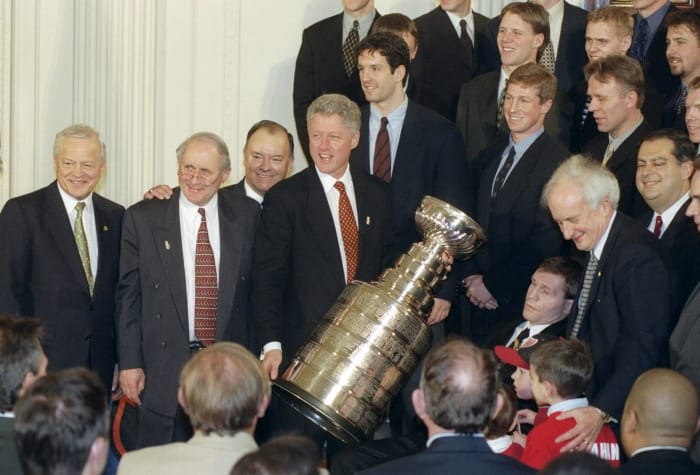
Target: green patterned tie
column 81, row 241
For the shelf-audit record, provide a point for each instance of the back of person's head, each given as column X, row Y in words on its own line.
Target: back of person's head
column 396, row 23
column 662, row 408
column 283, row 455
column 62, row 424
column 578, row 463
column 223, row 389
column 502, row 422
column 21, row 357
column 535, row 75
column 566, row 364
column 534, row 15
column 625, row 71
column 568, row 269
column 460, row 383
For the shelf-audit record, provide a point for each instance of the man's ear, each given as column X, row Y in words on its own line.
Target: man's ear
column 180, row 397
column 263, row 406
column 418, row 400
column 498, row 405
column 97, row 457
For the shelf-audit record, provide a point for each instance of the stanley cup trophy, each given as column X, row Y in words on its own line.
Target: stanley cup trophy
column 372, row 338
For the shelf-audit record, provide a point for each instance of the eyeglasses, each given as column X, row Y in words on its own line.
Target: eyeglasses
column 200, row 174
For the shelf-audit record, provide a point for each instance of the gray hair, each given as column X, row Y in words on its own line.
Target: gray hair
column 211, row 138
column 593, row 180
column 336, row 104
column 80, row 131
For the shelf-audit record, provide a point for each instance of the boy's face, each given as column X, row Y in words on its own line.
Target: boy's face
column 538, row 389
column 522, row 383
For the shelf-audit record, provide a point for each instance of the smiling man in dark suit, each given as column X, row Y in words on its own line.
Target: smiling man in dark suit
column 184, row 283
column 623, row 307
column 59, row 258
column 664, row 168
column 510, row 175
column 449, row 39
column 326, row 62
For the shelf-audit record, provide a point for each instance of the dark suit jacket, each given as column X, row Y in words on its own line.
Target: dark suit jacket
column 446, row 65
column 152, row 299
column 9, row 460
column 298, row 271
column 654, row 462
column 452, row 455
column 477, row 113
column 237, row 188
column 672, row 119
column 680, row 239
column 685, row 347
column 627, row 314
column 429, row 161
column 623, row 164
column 657, row 72
column 41, row 276
column 571, row 53
column 319, row 70
column 521, row 233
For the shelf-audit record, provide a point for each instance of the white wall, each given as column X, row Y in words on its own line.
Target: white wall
column 147, row 73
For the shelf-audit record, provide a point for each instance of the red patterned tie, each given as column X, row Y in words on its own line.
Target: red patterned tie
column 657, row 226
column 348, row 228
column 382, row 153
column 206, row 288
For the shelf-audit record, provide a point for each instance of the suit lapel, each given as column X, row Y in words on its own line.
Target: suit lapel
column 107, row 239
column 168, row 243
column 320, row 222
column 60, row 228
column 676, row 226
column 622, row 154
column 360, row 155
column 229, row 264
column 607, row 250
column 518, row 177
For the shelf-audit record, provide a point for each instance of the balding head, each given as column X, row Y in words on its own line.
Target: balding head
column 662, row 409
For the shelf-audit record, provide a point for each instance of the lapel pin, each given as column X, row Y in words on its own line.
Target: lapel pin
column 105, row 228
column 167, row 245
column 368, row 220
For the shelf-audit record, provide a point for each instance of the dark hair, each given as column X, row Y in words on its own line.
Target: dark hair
column 395, row 23
column 534, row 15
column 58, row 419
column 684, row 17
column 578, row 463
column 683, row 149
column 20, row 353
column 389, row 45
column 272, row 127
column 569, row 269
column 535, row 75
column 459, row 382
column 283, row 455
column 567, row 364
column 624, row 70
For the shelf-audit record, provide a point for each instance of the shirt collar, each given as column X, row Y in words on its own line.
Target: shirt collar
column 522, row 146
column 328, row 182
column 398, row 113
column 469, row 18
column 210, row 208
column 443, row 435
column 668, row 215
column 598, row 249
column 365, row 23
column 251, row 193
column 658, row 447
column 567, row 405
column 69, row 202
column 616, row 142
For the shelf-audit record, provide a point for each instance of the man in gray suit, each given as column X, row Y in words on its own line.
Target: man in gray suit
column 223, row 426
column 685, row 339
column 178, row 257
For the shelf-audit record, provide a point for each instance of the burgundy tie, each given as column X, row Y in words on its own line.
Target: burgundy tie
column 348, row 228
column 382, row 153
column 657, row 226
column 206, row 289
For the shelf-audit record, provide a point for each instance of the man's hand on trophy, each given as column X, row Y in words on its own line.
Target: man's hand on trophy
column 477, row 292
column 271, row 362
column 448, row 260
column 439, row 312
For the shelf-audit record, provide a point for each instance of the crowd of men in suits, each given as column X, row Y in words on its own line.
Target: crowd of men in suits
column 487, row 115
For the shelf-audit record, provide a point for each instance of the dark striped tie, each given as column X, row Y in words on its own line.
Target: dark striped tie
column 382, row 153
